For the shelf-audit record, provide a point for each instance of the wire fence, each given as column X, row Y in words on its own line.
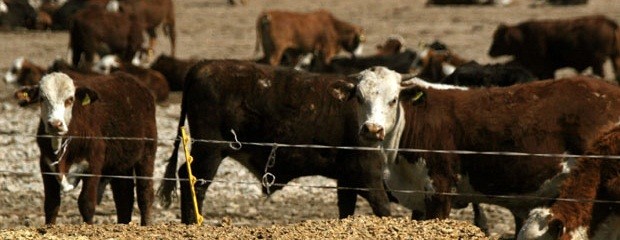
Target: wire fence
column 237, row 145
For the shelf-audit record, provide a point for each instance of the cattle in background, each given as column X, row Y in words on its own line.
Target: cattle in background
column 547, row 45
column 400, row 62
column 24, row 72
column 77, row 113
column 392, row 45
column 316, row 32
column 173, row 69
column 473, row 74
column 520, row 118
column 152, row 14
column 593, row 179
column 62, row 14
column 96, row 30
column 469, row 2
column 17, row 14
column 261, row 103
column 437, row 61
column 153, row 80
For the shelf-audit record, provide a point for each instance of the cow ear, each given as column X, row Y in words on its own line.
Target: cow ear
column 414, row 95
column 342, row 90
column 27, row 95
column 86, row 95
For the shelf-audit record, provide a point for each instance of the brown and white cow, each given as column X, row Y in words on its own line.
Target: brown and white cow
column 95, row 30
column 80, row 117
column 24, row 72
column 554, row 116
column 313, row 32
column 265, row 104
column 151, row 14
column 544, row 46
column 155, row 81
column 575, row 214
column 173, row 69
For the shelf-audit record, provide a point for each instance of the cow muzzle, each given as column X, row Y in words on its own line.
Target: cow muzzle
column 56, row 126
column 372, row 131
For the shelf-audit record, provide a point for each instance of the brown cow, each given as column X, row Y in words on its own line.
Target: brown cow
column 392, row 45
column 277, row 105
column 592, row 179
column 314, row 32
column 96, row 30
column 155, row 81
column 173, row 69
column 77, row 113
column 553, row 116
column 547, row 45
column 24, row 72
column 436, row 62
column 152, row 14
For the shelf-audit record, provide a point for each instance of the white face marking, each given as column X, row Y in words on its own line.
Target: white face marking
column 113, row 6
column 377, row 93
column 3, row 7
column 447, row 68
column 305, row 61
column 358, row 50
column 13, row 74
column 536, row 225
column 106, row 64
column 57, row 94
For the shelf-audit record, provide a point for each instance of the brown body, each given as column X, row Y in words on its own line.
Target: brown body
column 152, row 14
column 554, row 116
column 96, row 30
column 121, row 107
column 173, row 69
column 547, row 45
column 266, row 104
column 314, row 32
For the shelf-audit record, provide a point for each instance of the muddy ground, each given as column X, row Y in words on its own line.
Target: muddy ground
column 235, row 204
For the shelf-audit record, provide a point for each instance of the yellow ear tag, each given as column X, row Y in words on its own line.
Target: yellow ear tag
column 86, row 100
column 417, row 96
column 25, row 96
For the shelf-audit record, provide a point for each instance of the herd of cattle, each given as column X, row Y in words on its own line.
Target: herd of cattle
column 303, row 92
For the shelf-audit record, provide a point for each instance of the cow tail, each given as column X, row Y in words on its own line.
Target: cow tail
column 169, row 183
column 261, row 28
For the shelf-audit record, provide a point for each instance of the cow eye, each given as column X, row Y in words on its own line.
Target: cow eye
column 393, row 102
column 69, row 102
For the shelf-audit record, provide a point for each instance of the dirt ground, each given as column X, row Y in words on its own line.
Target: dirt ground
column 235, row 206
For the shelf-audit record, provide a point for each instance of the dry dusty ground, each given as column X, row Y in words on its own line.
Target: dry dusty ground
column 212, row 29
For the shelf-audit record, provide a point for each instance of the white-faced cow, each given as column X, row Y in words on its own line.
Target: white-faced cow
column 576, row 215
column 155, row 81
column 313, row 32
column 266, row 104
column 24, row 72
column 547, row 45
column 553, row 116
column 83, row 116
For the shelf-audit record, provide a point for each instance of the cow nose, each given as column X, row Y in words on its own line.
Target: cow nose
column 55, row 123
column 373, row 130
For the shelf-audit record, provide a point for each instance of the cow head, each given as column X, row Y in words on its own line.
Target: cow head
column 377, row 91
column 57, row 95
column 505, row 41
column 541, row 225
column 107, row 64
column 24, row 72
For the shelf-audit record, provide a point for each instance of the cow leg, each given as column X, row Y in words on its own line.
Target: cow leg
column 52, row 193
column 438, row 205
column 144, row 188
column 122, row 190
column 88, row 198
column 346, row 200
column 206, row 162
column 152, row 41
column 480, row 218
column 276, row 56
column 101, row 189
column 169, row 29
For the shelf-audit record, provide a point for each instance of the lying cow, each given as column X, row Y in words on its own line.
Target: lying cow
column 153, row 80
column 575, row 215
column 473, row 74
column 261, row 103
column 436, row 62
column 17, row 14
column 547, row 45
column 400, row 62
column 173, row 69
column 314, row 32
column 78, row 113
column 24, row 72
column 521, row 118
